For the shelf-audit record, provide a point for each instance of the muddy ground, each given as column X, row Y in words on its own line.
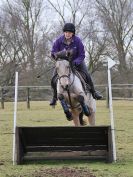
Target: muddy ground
column 63, row 172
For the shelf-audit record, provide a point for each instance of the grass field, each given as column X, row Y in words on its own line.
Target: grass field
column 42, row 114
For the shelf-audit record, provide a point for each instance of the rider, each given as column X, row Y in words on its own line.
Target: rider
column 66, row 45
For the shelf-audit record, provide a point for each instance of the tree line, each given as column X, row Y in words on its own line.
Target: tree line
column 29, row 27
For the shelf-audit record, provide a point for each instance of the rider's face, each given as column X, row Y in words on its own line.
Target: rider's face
column 68, row 35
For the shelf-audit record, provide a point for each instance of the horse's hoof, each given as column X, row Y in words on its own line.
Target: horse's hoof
column 84, row 123
column 69, row 119
column 87, row 113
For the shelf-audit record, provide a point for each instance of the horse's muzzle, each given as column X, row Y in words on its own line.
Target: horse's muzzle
column 65, row 87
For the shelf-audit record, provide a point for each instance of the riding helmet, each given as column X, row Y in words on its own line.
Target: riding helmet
column 69, row 27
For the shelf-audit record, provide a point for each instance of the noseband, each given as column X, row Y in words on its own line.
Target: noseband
column 68, row 76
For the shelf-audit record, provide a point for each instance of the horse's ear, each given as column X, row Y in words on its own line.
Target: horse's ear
column 71, row 64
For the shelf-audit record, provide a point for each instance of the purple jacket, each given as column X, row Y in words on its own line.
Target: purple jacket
column 76, row 45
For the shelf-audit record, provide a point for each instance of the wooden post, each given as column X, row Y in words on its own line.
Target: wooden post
column 15, row 117
column 111, row 63
column 28, row 98
column 2, row 98
column 107, row 97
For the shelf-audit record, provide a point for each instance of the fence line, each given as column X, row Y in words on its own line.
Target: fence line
column 8, row 87
column 35, row 93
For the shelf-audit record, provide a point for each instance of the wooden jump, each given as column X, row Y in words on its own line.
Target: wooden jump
column 40, row 143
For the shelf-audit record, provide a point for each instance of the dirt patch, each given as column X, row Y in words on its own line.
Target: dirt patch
column 63, row 172
column 1, row 163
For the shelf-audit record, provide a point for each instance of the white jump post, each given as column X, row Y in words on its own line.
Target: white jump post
column 15, row 116
column 111, row 63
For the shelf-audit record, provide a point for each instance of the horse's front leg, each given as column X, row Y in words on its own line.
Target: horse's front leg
column 84, row 106
column 65, row 107
column 63, row 102
column 78, row 90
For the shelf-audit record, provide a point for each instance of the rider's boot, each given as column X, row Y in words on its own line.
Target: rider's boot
column 96, row 95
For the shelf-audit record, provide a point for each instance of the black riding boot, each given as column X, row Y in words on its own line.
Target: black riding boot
column 82, row 67
column 54, row 88
column 96, row 95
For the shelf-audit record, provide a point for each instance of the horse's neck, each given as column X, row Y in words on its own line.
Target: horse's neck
column 75, row 82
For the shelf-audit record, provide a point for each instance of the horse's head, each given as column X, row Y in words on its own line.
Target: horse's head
column 63, row 70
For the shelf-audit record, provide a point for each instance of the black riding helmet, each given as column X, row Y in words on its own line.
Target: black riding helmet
column 69, row 27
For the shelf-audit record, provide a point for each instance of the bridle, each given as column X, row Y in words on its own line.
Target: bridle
column 67, row 76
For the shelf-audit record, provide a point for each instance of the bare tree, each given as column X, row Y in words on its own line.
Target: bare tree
column 25, row 15
column 22, row 35
column 8, row 53
column 73, row 11
column 116, row 15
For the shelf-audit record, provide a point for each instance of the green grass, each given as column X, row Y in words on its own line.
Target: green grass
column 41, row 114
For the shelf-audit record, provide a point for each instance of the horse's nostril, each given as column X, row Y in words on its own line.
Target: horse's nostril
column 65, row 87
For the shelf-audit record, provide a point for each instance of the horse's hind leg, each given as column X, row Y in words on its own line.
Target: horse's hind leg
column 75, row 116
column 91, row 119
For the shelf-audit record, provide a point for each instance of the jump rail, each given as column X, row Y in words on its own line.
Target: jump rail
column 61, row 142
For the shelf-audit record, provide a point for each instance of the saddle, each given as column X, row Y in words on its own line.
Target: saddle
column 83, row 78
